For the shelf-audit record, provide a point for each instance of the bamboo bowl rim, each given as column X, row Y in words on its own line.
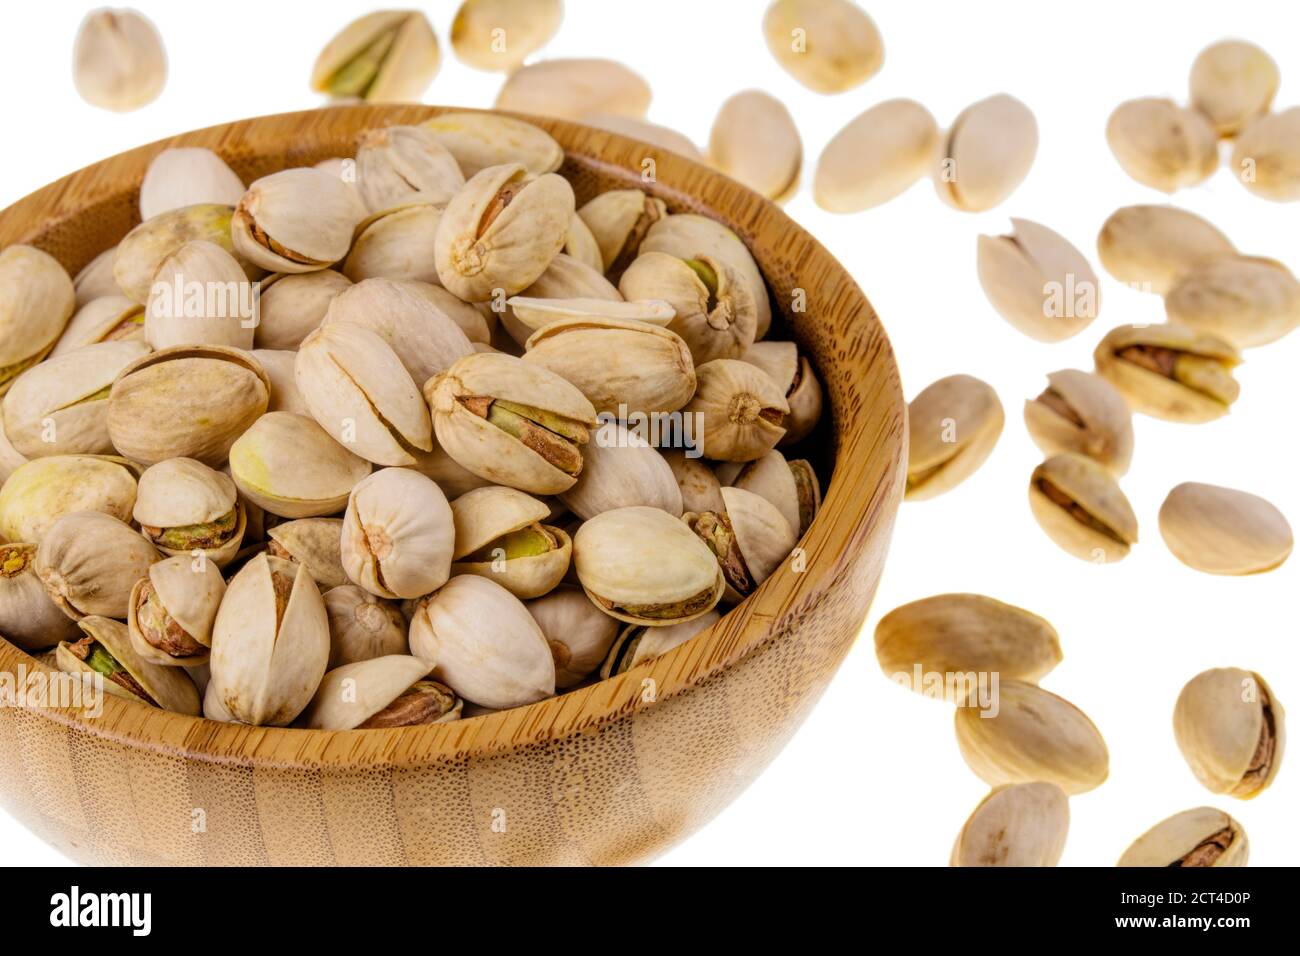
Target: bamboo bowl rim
column 855, row 504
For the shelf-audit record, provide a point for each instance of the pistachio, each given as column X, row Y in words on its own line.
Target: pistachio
column 1081, row 507
column 743, row 410
column 118, row 61
column 619, row 220
column 1231, row 731
column 293, row 306
column 289, row 465
column 986, row 153
column 876, row 156
column 361, row 394
column 480, row 140
column 362, row 626
column 536, row 314
column 31, row 620
column 213, row 708
column 580, row 243
column 10, row 459
column 111, row 318
column 1161, row 144
column 396, row 163
column 1032, row 736
column 953, row 426
column 485, row 645
column 389, row 56
column 184, row 507
column 43, row 490
column 1247, row 301
column 171, row 610
column 1151, row 247
column 468, row 318
column 1083, row 414
column 146, row 246
column 1022, row 824
column 296, row 220
column 574, row 88
column 792, row 486
column 499, row 35
column 750, row 539
column 106, row 650
column 579, row 633
column 714, row 308
column 315, row 543
column 60, row 407
column 186, row 176
column 696, row 481
column 643, row 566
column 500, row 534
column 792, row 372
column 620, row 469
column 379, row 693
column 1169, row 371
column 95, row 280
column 279, row 369
column 512, row 422
column 660, row 137
column 827, row 45
column 754, row 140
column 1224, row 531
column 36, row 301
column 270, row 642
column 454, row 479
column 185, row 403
column 501, row 231
column 1201, row 837
column 1038, row 281
column 1232, row 83
column 200, row 296
column 1264, row 156
column 397, row 243
column 397, row 534
column 966, row 634
column 89, row 561
column 638, row 643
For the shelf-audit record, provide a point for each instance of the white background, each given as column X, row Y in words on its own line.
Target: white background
column 875, row 775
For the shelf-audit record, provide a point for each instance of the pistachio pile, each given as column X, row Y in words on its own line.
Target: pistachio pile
column 409, row 479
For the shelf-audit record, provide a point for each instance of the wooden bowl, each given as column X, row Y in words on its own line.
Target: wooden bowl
column 615, row 772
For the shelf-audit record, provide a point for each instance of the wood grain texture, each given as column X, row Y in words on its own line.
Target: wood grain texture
column 615, row 772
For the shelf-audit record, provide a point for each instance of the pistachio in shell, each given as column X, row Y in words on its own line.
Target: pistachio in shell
column 743, row 411
column 637, row 643
column 200, row 296
column 1080, row 506
column 1203, row 837
column 1231, row 731
column 396, row 243
column 105, row 649
column 498, row 35
column 480, row 140
column 279, row 368
column 1151, row 247
column 109, row 318
column 315, row 543
column 579, row 633
column 1169, row 371
column 138, row 256
column 395, row 163
column 468, row 318
column 789, row 367
column 953, row 426
column 172, row 609
column 714, row 309
column 1019, row 824
column 1264, row 156
column 754, row 140
column 698, row 483
column 181, row 176
column 575, row 88
column 389, row 56
column 1224, row 531
column 1233, row 82
column 1082, row 413
column 118, row 60
column 1245, row 300
column 184, row 507
column 503, row 534
column 90, row 561
column 827, row 45
column 986, row 153
column 43, row 490
column 288, row 465
column 28, row 616
column 1040, row 283
column 792, row 486
column 36, row 300
column 580, row 242
column 453, row 478
column 876, row 156
column 296, row 220
column 397, row 534
column 619, row 220
column 536, row 314
column 750, row 539
column 95, row 280
column 1161, row 144
column 380, row 693
column 362, row 626
column 293, row 306
column 619, row 469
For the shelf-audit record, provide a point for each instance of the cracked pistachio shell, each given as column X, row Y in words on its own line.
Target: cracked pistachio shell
column 637, row 643
column 793, row 373
column 187, row 402
column 28, row 616
column 565, row 278
column 480, row 140
column 1032, row 736
column 424, row 338
column 963, row 634
column 689, row 236
column 876, row 156
column 397, row 243
column 1038, row 281
column 1232, row 83
column 490, row 451
column 293, row 306
column 279, row 367
column 187, row 176
column 397, row 534
column 716, row 319
column 743, row 410
column 1231, row 731
column 60, row 407
column 791, row 486
column 581, row 243
column 41, row 491
column 315, row 543
column 486, row 518
column 146, row 246
column 118, row 60
column 536, row 314
column 643, row 566
column 484, row 644
column 1202, row 837
column 986, row 153
column 619, row 366
column 362, row 626
column 1224, row 531
column 1169, row 371
column 1021, row 824
column 1266, row 156
column 1151, row 247
column 620, row 469
column 1082, row 413
column 396, row 163
column 223, row 312
column 169, row 688
column 110, row 318
column 1081, row 507
column 95, row 280
column 389, row 56
column 574, row 88
column 579, row 633
column 172, row 610
column 270, row 642
column 619, row 220
column 36, row 300
column 953, row 426
column 288, row 465
column 498, row 35
column 296, row 220
column 1161, row 144
column 89, row 561
column 827, row 45
column 501, row 231
column 754, row 140
column 361, row 394
column 1245, row 300
column 762, row 534
column 183, row 506
column 378, row 693
column 697, row 482
column 660, row 137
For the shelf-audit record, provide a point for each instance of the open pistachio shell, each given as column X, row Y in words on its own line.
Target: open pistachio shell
column 619, row 469
column 1081, row 507
column 1161, row 144
column 89, row 561
column 793, row 374
column 395, row 163
column 380, row 693
column 184, row 507
column 1233, row 82
column 480, row 140
column 397, row 534
column 876, row 156
column 1021, row 824
column 1202, row 837
column 183, row 176
column 1169, row 371
column 1224, row 531
column 1038, row 281
column 397, row 243
column 172, row 610
column 619, row 220
column 743, row 410
column 565, row 278
column 637, row 643
column 1151, row 247
column 362, row 626
column 95, row 280
column 714, row 308
column 200, row 296
column 579, row 633
column 501, row 534
column 574, row 88
column 827, row 45
column 36, row 300
column 389, row 56
column 1245, row 300
column 314, row 543
column 28, row 616
column 953, row 426
column 986, row 153
column 750, row 539
column 41, row 491
column 108, row 318
column 296, row 220
column 106, row 649
column 754, row 140
column 289, row 465
column 293, row 306
column 1264, row 156
column 1231, row 731
column 1084, row 414
column 138, row 256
